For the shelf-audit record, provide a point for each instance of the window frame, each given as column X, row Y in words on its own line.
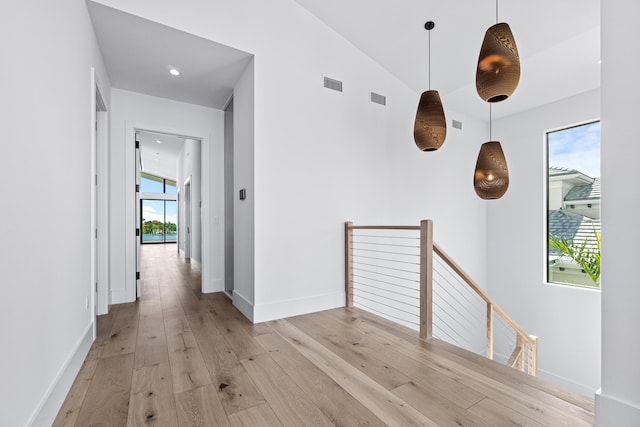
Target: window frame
column 545, row 215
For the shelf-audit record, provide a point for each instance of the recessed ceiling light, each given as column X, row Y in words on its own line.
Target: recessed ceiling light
column 174, row 71
column 159, row 142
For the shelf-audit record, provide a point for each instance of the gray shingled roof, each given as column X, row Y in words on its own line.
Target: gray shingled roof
column 572, row 226
column 585, row 192
column 556, row 170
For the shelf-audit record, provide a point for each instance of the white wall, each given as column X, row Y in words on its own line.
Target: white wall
column 46, row 174
column 567, row 319
column 618, row 404
column 322, row 157
column 190, row 167
column 129, row 111
column 243, row 178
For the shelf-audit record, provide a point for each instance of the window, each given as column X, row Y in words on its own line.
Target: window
column 155, row 184
column 159, row 209
column 573, row 205
column 159, row 221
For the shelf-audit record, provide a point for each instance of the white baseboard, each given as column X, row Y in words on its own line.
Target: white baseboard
column 213, row 286
column 244, row 305
column 297, row 306
column 566, row 383
column 553, row 378
column 118, row 296
column 51, row 402
column 196, row 264
column 614, row 412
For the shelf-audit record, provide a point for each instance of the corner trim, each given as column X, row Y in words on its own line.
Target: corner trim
column 52, row 401
column 244, row 305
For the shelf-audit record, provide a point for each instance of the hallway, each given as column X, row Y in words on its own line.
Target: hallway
column 178, row 357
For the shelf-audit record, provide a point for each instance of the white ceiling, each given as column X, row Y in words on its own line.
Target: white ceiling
column 139, row 53
column 558, row 42
column 159, row 158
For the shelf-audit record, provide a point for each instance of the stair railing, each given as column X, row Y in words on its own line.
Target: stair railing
column 410, row 263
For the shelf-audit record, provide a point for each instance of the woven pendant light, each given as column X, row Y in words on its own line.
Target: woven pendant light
column 491, row 178
column 498, row 72
column 430, row 126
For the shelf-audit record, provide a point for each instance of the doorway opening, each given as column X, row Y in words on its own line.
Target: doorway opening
column 166, row 201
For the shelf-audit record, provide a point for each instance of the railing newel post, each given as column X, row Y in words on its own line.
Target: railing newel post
column 426, row 279
column 489, row 331
column 348, row 263
column 533, row 355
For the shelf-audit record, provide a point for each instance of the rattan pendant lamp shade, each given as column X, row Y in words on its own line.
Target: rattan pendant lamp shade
column 491, row 178
column 430, row 126
column 498, row 72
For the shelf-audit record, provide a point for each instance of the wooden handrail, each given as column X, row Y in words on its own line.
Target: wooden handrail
column 384, row 227
column 478, row 290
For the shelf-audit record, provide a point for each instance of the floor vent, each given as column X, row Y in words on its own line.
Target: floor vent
column 378, row 99
column 333, row 84
column 456, row 124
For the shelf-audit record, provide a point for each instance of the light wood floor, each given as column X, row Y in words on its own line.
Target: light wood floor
column 178, row 357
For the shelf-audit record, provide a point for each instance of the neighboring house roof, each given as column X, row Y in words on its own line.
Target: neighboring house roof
column 585, row 192
column 572, row 176
column 572, row 226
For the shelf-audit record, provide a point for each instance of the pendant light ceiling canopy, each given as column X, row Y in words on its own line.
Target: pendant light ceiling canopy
column 491, row 178
column 430, row 127
column 498, row 72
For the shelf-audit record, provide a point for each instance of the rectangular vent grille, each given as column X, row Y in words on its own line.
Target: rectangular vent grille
column 378, row 99
column 456, row 124
column 333, row 84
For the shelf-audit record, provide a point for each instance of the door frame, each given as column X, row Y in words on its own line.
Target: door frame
column 188, row 218
column 131, row 127
column 99, row 284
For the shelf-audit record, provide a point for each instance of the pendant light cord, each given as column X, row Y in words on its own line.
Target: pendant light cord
column 490, row 122
column 497, row 11
column 429, row 56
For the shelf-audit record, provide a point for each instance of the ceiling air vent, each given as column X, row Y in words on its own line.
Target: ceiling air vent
column 456, row 124
column 378, row 99
column 333, row 84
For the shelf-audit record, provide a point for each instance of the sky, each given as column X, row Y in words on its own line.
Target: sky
column 576, row 148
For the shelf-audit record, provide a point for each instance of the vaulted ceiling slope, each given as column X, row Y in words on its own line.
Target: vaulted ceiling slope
column 558, row 42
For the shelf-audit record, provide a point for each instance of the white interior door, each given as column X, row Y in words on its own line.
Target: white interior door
column 187, row 219
column 138, row 235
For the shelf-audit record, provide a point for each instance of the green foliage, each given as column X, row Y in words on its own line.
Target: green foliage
column 585, row 255
column 157, row 227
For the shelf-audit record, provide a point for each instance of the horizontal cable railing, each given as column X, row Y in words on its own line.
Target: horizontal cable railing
column 398, row 272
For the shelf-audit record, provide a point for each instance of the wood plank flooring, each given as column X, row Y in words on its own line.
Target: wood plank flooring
column 177, row 357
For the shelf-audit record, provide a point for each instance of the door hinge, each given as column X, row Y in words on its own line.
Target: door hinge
column 96, row 179
column 96, row 233
column 96, row 287
column 137, row 232
column 137, row 275
column 137, row 141
column 137, row 188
